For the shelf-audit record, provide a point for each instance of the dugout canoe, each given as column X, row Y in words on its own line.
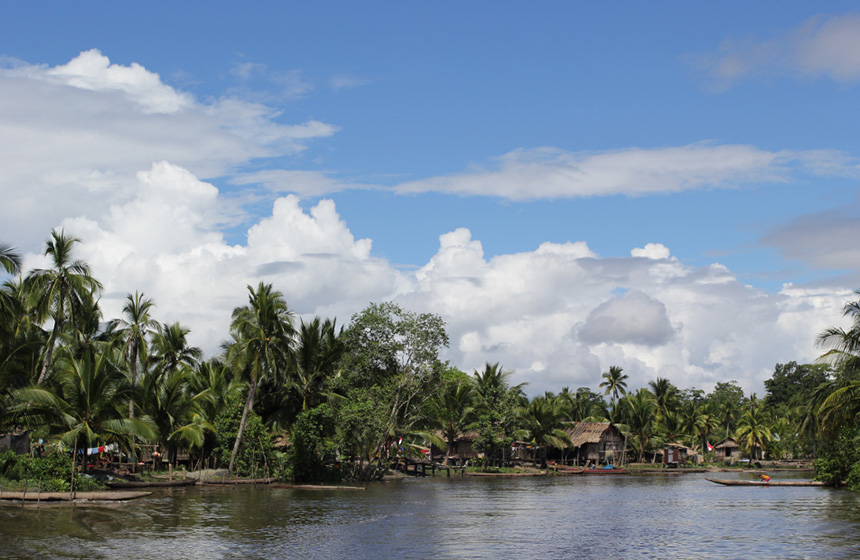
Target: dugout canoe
column 761, row 483
column 315, row 487
column 604, row 471
column 71, row 496
column 231, row 481
column 150, row 483
column 505, row 475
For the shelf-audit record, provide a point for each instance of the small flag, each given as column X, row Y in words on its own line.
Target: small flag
column 710, row 447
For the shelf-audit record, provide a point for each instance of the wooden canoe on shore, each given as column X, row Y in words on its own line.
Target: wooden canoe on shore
column 505, row 475
column 769, row 483
column 316, row 487
column 232, row 481
column 150, row 483
column 569, row 470
column 604, row 471
column 71, row 496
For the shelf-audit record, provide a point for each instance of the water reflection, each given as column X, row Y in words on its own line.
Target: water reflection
column 563, row 517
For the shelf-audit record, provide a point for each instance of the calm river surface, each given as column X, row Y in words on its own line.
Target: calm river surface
column 615, row 517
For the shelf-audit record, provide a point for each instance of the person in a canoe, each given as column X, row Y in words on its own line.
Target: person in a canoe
column 764, row 478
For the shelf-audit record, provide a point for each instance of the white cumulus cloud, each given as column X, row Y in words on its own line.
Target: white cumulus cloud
column 820, row 47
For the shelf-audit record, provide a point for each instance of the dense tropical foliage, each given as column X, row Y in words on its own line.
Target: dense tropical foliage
column 309, row 400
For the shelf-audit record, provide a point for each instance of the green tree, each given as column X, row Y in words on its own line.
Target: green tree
column 318, row 352
column 82, row 404
column 452, row 411
column 615, row 383
column 59, row 292
column 792, row 383
column 753, row 430
column 391, row 357
column 263, row 336
column 132, row 334
column 726, row 402
column 10, row 259
column 639, row 411
column 170, row 348
column 542, row 424
column 843, row 345
column 665, row 394
column 312, row 451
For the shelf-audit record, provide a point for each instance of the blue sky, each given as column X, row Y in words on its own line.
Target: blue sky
column 667, row 188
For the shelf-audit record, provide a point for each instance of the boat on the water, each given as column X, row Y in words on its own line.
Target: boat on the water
column 771, row 482
column 71, row 496
column 608, row 469
column 150, row 483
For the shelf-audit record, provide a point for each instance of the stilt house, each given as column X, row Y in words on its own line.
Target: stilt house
column 597, row 443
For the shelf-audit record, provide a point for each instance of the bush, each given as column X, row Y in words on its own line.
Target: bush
column 853, row 478
column 312, row 452
column 839, row 458
column 48, row 474
column 257, row 456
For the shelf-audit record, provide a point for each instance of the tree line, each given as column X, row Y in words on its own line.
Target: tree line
column 315, row 401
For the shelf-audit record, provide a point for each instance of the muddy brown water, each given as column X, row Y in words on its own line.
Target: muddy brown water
column 618, row 517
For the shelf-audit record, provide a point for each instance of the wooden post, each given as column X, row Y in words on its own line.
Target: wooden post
column 170, row 471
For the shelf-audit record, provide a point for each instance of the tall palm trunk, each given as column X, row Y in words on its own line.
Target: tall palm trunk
column 249, row 404
column 49, row 351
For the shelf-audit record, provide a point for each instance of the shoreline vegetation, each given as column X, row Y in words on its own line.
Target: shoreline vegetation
column 86, row 399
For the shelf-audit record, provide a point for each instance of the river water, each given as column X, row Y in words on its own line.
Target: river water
column 617, row 517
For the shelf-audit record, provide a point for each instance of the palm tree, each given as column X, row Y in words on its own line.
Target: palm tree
column 21, row 339
column 665, row 394
column 753, row 431
column 133, row 332
column 177, row 412
column 843, row 346
column 82, row 404
column 543, row 426
column 452, row 412
column 704, row 424
column 263, row 336
column 639, row 409
column 842, row 401
column 59, row 292
column 10, row 260
column 319, row 347
column 615, row 383
column 170, row 348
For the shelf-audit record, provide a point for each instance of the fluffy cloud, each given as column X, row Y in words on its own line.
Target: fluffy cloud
column 125, row 163
column 165, row 243
column 821, row 46
column 552, row 173
column 557, row 316
column 77, row 135
column 554, row 316
column 634, row 318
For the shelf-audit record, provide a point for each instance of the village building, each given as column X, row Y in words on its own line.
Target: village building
column 677, row 454
column 460, row 451
column 596, row 443
column 729, row 451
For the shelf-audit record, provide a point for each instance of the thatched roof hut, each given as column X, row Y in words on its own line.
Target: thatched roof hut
column 727, row 451
column 597, row 442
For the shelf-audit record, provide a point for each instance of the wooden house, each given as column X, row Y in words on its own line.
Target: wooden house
column 676, row 454
column 460, row 450
column 596, row 443
column 728, row 451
